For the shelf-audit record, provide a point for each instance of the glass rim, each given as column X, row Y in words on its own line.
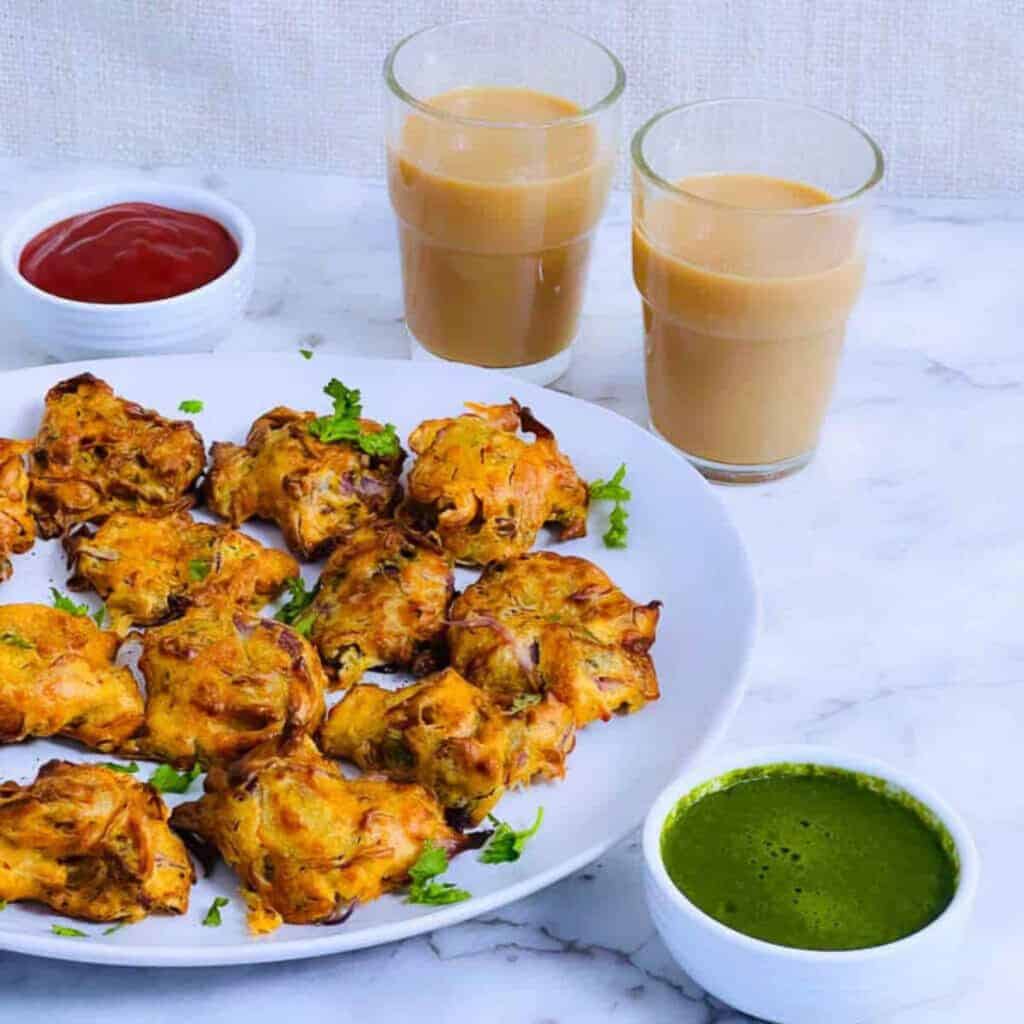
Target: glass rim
column 606, row 101
column 641, row 164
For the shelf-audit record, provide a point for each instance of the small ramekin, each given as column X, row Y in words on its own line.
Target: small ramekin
column 798, row 986
column 193, row 322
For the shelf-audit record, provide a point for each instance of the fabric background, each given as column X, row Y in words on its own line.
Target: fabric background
column 296, row 83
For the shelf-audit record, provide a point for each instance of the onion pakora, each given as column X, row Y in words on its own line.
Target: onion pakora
column 58, row 678
column 485, row 491
column 548, row 623
column 151, row 568
column 314, row 490
column 220, row 682
column 17, row 527
column 91, row 843
column 381, row 602
column 97, row 453
column 450, row 736
column 307, row 843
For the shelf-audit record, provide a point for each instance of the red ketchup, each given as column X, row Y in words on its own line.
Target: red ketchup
column 131, row 252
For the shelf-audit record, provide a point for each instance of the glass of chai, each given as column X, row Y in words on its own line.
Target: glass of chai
column 501, row 143
column 748, row 252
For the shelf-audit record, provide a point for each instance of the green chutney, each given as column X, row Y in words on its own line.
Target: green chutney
column 810, row 856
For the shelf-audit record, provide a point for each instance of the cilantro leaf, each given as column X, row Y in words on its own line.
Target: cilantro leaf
column 343, row 424
column 198, row 570
column 306, row 353
column 522, row 702
column 423, row 888
column 611, row 490
column 68, row 933
column 64, row 603
column 3, row 904
column 166, row 780
column 14, row 639
column 100, row 615
column 506, row 844
column 190, row 405
column 614, row 490
column 114, row 928
column 125, row 769
column 296, row 611
column 212, row 919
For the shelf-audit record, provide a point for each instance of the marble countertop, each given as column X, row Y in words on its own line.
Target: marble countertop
column 891, row 579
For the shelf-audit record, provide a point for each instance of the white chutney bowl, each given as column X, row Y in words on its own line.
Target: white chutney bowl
column 192, row 322
column 799, row 986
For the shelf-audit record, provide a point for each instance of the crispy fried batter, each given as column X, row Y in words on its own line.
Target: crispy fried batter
column 221, row 681
column 381, row 602
column 91, row 843
column 450, row 736
column 17, row 527
column 314, row 491
column 307, row 843
column 487, row 492
column 151, row 568
column 549, row 623
column 58, row 677
column 96, row 453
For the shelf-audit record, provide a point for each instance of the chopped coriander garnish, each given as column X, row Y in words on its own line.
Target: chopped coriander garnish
column 166, row 780
column 506, row 844
column 212, row 919
column 100, row 615
column 522, row 702
column 296, row 612
column 423, row 888
column 613, row 490
column 68, row 933
column 198, row 569
column 306, row 353
column 125, row 769
column 114, row 928
column 64, row 603
column 13, row 639
column 343, row 424
column 191, row 406
column 3, row 904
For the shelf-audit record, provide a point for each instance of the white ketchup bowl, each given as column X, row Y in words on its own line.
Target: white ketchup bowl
column 194, row 321
column 801, row 986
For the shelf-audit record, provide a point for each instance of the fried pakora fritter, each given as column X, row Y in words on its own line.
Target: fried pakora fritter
column 485, row 491
column 17, row 527
column 97, row 453
column 221, row 681
column 91, row 843
column 450, row 736
column 151, row 568
column 548, row 623
column 314, row 490
column 306, row 843
column 381, row 602
column 58, row 678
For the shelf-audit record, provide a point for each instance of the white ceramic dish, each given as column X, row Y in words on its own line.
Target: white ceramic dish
column 799, row 986
column 193, row 322
column 682, row 550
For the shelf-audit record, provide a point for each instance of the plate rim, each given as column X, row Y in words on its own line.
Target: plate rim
column 253, row 951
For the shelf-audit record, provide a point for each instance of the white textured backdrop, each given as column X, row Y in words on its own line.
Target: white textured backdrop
column 296, row 83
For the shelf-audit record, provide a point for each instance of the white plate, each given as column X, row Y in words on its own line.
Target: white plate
column 682, row 549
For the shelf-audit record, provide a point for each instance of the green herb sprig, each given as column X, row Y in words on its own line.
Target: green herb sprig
column 423, row 887
column 198, row 570
column 66, row 932
column 613, row 490
column 14, row 639
column 506, row 844
column 131, row 768
column 213, row 919
column 166, row 780
column 64, row 603
column 343, row 424
column 191, row 406
column 295, row 612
